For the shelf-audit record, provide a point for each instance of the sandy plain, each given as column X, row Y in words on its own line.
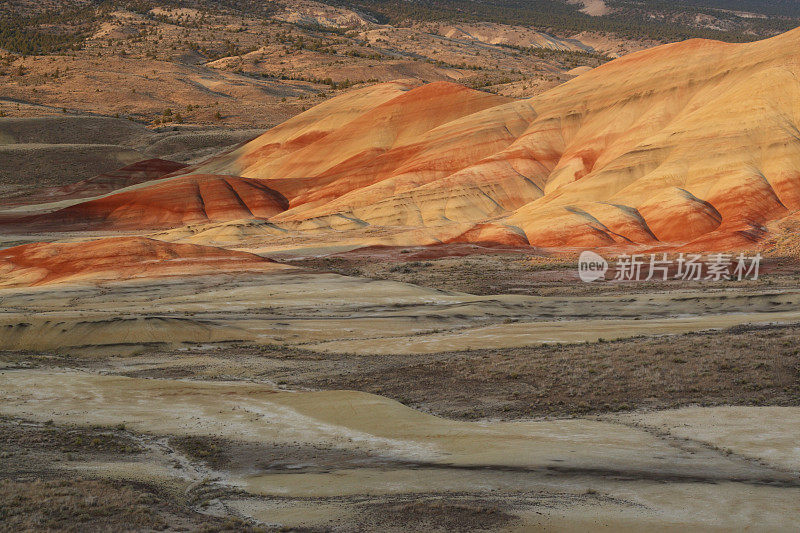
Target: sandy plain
column 370, row 452
column 243, row 396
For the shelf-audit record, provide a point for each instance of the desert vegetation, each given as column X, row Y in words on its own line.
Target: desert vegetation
column 53, row 48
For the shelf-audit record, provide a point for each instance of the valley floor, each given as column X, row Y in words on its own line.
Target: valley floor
column 305, row 398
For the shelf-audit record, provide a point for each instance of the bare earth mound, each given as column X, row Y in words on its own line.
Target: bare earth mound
column 660, row 146
column 118, row 259
column 185, row 200
column 659, row 149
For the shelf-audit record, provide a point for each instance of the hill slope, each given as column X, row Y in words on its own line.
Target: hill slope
column 694, row 144
column 694, row 141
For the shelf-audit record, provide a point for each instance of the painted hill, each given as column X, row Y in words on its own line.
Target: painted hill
column 689, row 145
column 168, row 204
column 695, row 142
column 118, row 259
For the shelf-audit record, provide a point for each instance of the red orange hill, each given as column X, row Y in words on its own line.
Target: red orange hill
column 119, row 259
column 184, row 200
column 688, row 145
column 685, row 142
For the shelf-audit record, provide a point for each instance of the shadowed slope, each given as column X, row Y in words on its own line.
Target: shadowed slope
column 139, row 172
